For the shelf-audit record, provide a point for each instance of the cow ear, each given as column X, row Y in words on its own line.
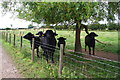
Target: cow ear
column 55, row 34
column 90, row 34
column 37, row 33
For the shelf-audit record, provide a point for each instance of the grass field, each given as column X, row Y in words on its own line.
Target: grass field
column 108, row 37
column 71, row 69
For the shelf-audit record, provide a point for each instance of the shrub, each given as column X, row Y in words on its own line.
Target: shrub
column 113, row 26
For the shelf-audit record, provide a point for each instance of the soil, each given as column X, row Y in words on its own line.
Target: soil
column 7, row 67
column 101, row 54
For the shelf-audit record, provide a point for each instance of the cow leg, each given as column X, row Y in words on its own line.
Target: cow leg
column 52, row 60
column 85, row 47
column 43, row 54
column 63, row 50
column 37, row 51
column 89, row 50
column 93, row 50
column 46, row 55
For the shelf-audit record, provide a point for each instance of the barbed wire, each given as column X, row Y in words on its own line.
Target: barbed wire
column 96, row 57
column 76, row 67
column 94, row 61
column 92, row 65
column 79, row 68
column 48, row 45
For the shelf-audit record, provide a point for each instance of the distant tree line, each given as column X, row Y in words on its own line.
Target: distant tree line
column 95, row 26
column 111, row 26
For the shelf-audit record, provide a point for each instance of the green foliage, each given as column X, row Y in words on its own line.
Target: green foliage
column 97, row 26
column 94, row 26
column 113, row 26
column 30, row 26
column 7, row 28
column 57, row 12
column 113, row 8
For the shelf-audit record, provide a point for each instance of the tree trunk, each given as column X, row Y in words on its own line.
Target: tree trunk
column 78, row 47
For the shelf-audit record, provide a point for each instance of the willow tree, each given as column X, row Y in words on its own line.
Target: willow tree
column 60, row 12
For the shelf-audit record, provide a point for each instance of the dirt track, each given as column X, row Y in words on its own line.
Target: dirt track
column 106, row 55
column 7, row 68
column 110, row 56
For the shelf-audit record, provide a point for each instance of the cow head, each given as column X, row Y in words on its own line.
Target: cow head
column 29, row 36
column 92, row 34
column 40, row 33
column 61, row 39
column 50, row 33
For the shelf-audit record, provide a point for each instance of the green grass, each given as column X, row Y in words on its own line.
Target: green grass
column 71, row 69
column 110, row 38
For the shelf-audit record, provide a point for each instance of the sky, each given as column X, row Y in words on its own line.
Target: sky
column 8, row 19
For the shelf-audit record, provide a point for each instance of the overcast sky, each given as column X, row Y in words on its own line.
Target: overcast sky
column 8, row 19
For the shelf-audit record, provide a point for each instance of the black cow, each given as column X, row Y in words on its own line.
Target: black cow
column 90, row 42
column 49, row 44
column 61, row 40
column 29, row 37
column 40, row 33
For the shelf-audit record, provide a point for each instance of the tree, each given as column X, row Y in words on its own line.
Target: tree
column 113, row 10
column 30, row 26
column 62, row 12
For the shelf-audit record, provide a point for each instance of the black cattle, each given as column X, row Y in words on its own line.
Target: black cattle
column 61, row 40
column 29, row 37
column 90, row 42
column 40, row 33
column 48, row 44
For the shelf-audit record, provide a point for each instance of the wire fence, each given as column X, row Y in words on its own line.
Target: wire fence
column 76, row 63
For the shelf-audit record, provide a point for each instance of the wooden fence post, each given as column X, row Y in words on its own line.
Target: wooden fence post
column 32, row 56
column 14, row 41
column 6, row 36
column 2, row 34
column 20, row 42
column 9, row 37
column 60, row 60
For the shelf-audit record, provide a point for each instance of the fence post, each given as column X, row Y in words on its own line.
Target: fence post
column 9, row 37
column 20, row 42
column 60, row 60
column 6, row 36
column 32, row 56
column 2, row 34
column 14, row 41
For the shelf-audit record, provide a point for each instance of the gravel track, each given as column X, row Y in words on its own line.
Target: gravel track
column 7, row 67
